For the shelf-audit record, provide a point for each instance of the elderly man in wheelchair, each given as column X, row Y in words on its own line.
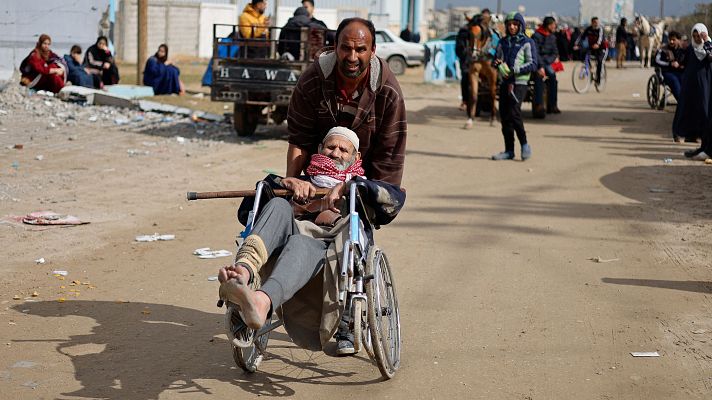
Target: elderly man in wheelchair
column 312, row 260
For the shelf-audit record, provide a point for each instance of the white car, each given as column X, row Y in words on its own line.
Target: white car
column 399, row 53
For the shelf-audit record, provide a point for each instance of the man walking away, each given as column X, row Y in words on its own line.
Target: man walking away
column 516, row 60
column 463, row 53
column 547, row 54
column 621, row 42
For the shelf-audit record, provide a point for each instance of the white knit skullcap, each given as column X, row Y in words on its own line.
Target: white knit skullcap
column 343, row 132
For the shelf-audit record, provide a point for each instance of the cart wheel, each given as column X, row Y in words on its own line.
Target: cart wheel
column 383, row 313
column 397, row 65
column 357, row 318
column 248, row 358
column 245, row 120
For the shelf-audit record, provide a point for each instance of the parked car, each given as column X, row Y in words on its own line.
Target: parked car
column 399, row 53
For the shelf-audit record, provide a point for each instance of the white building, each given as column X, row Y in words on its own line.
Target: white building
column 609, row 12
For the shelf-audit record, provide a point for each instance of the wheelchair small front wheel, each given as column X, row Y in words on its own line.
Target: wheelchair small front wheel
column 246, row 357
column 383, row 313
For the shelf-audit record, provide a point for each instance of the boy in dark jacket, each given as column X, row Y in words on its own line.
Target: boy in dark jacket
column 548, row 53
column 671, row 60
column 516, row 59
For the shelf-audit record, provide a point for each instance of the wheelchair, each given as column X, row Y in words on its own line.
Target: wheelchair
column 657, row 91
column 367, row 297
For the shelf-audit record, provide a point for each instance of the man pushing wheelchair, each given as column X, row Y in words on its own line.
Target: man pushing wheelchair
column 347, row 124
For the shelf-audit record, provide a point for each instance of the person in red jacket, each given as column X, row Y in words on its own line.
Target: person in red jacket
column 43, row 69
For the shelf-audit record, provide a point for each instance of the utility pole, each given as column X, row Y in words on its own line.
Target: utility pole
column 662, row 9
column 142, row 38
column 499, row 7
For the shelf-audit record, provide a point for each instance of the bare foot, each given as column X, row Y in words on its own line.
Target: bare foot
column 254, row 305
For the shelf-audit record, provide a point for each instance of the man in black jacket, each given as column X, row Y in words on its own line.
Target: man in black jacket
column 671, row 60
column 462, row 52
column 548, row 52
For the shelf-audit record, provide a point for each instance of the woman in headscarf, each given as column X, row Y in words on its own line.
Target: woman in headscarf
column 100, row 62
column 42, row 69
column 692, row 116
column 161, row 74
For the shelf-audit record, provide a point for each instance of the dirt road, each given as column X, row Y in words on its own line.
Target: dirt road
column 499, row 296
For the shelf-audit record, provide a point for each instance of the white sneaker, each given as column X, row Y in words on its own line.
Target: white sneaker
column 701, row 156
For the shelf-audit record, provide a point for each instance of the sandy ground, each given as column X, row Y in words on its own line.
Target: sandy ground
column 499, row 299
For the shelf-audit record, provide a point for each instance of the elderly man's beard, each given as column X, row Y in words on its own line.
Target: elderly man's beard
column 344, row 165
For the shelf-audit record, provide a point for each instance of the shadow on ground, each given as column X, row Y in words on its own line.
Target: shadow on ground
column 152, row 348
column 686, row 286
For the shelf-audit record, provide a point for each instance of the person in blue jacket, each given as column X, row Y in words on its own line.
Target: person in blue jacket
column 161, row 74
column 78, row 74
column 516, row 59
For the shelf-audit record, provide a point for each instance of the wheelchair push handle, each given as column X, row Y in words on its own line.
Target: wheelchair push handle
column 230, row 194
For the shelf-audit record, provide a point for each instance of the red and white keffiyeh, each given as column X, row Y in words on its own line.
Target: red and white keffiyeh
column 322, row 171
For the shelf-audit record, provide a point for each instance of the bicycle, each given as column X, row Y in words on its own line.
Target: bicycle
column 583, row 74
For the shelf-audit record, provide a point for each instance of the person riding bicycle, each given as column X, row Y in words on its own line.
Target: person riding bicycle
column 348, row 87
column 594, row 40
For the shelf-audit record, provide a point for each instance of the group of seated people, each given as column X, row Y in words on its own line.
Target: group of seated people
column 42, row 69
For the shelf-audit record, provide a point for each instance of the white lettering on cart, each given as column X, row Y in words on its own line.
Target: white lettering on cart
column 292, row 77
column 245, row 74
column 270, row 74
column 224, row 73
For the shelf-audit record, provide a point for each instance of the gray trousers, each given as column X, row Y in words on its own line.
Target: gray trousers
column 300, row 257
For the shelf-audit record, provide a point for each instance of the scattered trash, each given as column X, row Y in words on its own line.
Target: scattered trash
column 16, row 297
column 668, row 161
column 149, row 144
column 93, row 118
column 167, row 119
column 40, row 261
column 269, row 171
column 61, row 300
column 15, row 165
column 146, row 311
column 660, row 190
column 708, row 161
column 31, row 384
column 699, row 331
column 206, row 253
column 51, row 218
column 19, row 146
column 636, row 94
column 24, row 364
column 212, row 278
column 52, row 125
column 602, row 260
column 60, row 273
column 138, row 118
column 624, row 119
column 121, row 121
column 155, row 237
column 644, row 354
column 180, row 139
column 134, row 152
column 35, row 294
column 39, row 157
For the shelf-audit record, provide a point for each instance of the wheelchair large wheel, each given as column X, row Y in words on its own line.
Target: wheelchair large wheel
column 246, row 357
column 581, row 78
column 653, row 91
column 383, row 313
